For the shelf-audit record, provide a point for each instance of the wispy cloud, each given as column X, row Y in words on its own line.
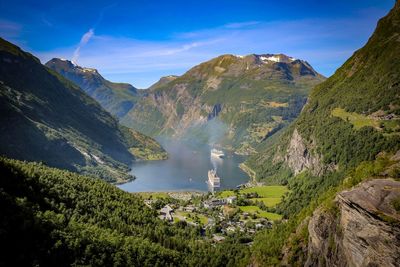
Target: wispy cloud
column 90, row 33
column 9, row 29
column 84, row 40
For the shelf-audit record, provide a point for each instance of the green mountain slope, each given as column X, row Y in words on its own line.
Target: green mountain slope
column 116, row 98
column 341, row 162
column 51, row 217
column 46, row 118
column 349, row 118
column 251, row 98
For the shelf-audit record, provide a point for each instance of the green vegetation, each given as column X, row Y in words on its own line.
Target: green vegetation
column 268, row 201
column 52, row 217
column 261, row 213
column 270, row 196
column 269, row 191
column 226, row 193
column 192, row 218
column 54, row 121
column 396, row 204
column 357, row 120
column 339, row 123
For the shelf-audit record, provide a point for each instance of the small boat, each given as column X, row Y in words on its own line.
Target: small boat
column 217, row 153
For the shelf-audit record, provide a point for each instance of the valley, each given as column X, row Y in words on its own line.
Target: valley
column 241, row 160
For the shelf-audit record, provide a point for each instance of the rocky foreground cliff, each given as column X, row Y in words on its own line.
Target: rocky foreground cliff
column 364, row 230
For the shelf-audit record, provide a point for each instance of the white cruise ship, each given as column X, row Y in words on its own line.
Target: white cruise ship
column 213, row 180
column 217, row 153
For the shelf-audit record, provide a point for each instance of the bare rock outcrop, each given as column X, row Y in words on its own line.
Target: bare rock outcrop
column 364, row 231
column 299, row 157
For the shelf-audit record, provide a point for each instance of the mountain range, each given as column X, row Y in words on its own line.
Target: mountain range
column 233, row 101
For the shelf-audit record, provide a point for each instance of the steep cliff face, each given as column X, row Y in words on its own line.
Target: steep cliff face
column 301, row 156
column 365, row 230
column 251, row 96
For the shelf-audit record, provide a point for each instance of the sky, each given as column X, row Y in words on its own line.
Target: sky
column 140, row 41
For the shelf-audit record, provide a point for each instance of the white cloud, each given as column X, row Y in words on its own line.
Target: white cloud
column 84, row 40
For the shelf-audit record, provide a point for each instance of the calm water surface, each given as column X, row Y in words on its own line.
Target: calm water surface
column 185, row 170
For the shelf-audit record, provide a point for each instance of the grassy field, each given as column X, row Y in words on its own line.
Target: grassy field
column 356, row 119
column 268, row 201
column 359, row 121
column 269, row 195
column 268, row 191
column 203, row 219
column 226, row 193
column 260, row 213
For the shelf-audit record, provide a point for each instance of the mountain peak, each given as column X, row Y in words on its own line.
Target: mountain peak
column 66, row 64
column 163, row 81
column 115, row 97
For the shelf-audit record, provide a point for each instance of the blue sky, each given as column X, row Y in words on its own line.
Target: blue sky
column 140, row 41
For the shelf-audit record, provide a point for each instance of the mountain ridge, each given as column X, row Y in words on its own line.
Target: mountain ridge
column 225, row 88
column 117, row 98
column 47, row 118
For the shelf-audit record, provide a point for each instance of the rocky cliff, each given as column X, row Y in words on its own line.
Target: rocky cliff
column 301, row 156
column 364, row 230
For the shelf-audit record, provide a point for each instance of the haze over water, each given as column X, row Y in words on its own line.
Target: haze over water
column 185, row 170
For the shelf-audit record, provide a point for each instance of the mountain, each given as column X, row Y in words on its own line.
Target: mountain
column 351, row 117
column 341, row 162
column 116, row 98
column 45, row 117
column 245, row 99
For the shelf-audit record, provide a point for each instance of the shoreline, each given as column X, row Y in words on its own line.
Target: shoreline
column 248, row 171
column 180, row 195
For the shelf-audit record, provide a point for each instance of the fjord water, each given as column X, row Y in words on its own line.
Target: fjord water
column 185, row 170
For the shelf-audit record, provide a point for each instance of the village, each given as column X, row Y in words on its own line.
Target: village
column 220, row 214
